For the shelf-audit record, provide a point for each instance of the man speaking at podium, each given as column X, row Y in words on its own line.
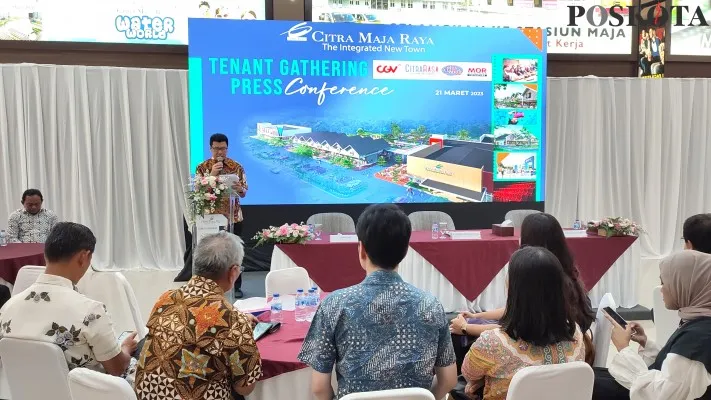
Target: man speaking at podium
column 219, row 164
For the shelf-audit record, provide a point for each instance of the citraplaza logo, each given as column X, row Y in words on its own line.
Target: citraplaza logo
column 386, row 69
column 452, row 70
column 298, row 32
column 439, row 169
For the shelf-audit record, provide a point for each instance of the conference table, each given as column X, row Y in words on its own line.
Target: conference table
column 283, row 375
column 16, row 255
column 468, row 273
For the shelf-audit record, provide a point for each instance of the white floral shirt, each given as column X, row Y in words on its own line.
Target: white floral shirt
column 51, row 310
column 24, row 227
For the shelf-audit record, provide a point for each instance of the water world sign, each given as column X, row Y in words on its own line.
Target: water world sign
column 322, row 113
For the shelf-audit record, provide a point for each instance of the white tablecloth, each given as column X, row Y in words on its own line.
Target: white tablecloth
column 295, row 385
column 620, row 281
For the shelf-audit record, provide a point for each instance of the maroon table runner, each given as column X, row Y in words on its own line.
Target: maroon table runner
column 470, row 265
column 16, row 255
column 332, row 266
column 279, row 350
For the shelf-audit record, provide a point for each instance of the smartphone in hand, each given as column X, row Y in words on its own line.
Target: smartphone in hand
column 617, row 317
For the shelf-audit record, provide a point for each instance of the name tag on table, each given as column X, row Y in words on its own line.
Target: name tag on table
column 465, row 235
column 577, row 233
column 344, row 238
column 256, row 304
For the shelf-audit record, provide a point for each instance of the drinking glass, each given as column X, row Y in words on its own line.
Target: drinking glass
column 317, row 231
column 443, row 230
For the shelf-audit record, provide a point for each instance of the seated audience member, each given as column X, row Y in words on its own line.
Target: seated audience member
column 198, row 345
column 382, row 333
column 51, row 310
column 535, row 328
column 32, row 223
column 541, row 230
column 682, row 368
column 697, row 233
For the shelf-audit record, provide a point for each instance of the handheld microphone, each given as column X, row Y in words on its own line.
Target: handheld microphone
column 219, row 160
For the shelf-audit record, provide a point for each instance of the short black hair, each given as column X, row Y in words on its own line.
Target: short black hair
column 67, row 239
column 384, row 231
column 697, row 231
column 204, row 3
column 31, row 192
column 219, row 138
column 536, row 310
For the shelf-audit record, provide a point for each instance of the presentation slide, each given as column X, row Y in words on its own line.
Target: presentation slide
column 691, row 40
column 322, row 113
column 115, row 21
column 551, row 15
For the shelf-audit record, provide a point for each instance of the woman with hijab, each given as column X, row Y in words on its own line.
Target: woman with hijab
column 680, row 369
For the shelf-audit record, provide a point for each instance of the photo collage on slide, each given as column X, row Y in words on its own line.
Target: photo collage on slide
column 516, row 127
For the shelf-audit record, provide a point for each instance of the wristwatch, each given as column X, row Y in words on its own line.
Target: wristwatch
column 464, row 329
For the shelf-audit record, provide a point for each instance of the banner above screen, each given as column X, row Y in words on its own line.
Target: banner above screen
column 348, row 113
column 115, row 21
column 552, row 15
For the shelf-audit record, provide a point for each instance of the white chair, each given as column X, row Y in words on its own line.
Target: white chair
column 333, row 222
column 568, row 381
column 666, row 321
column 602, row 332
column 35, row 370
column 86, row 384
column 287, row 281
column 402, row 394
column 114, row 291
column 423, row 220
column 517, row 216
column 26, row 276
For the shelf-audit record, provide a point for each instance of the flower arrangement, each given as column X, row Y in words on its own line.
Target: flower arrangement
column 287, row 233
column 205, row 193
column 614, row 226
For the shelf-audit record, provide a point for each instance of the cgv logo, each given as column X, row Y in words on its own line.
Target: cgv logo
column 386, row 69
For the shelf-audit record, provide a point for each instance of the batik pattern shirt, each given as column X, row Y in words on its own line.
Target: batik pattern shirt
column 23, row 227
column 52, row 311
column 198, row 346
column 495, row 357
column 381, row 334
column 230, row 167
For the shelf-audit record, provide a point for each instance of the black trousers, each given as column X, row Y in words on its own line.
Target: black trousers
column 607, row 388
column 187, row 271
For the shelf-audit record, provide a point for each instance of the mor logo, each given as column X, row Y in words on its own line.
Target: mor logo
column 298, row 32
column 477, row 71
column 452, row 70
column 386, row 69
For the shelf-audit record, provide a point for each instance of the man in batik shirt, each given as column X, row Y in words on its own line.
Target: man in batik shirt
column 31, row 223
column 382, row 333
column 199, row 347
column 219, row 164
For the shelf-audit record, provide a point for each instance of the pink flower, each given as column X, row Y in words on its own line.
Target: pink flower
column 265, row 233
column 204, row 181
column 294, row 226
column 283, row 230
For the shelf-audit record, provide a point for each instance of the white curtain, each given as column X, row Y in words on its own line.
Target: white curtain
column 637, row 148
column 108, row 148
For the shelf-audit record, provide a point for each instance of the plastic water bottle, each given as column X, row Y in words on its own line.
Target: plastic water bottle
column 300, row 306
column 3, row 238
column 276, row 307
column 577, row 225
column 311, row 305
column 435, row 231
column 317, row 294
